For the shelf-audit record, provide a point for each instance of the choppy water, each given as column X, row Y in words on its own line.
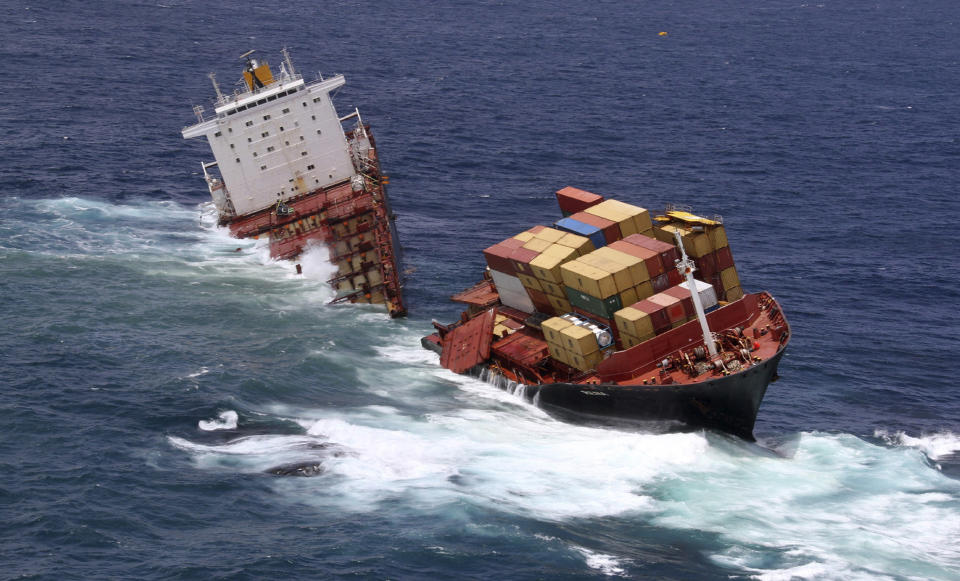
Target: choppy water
column 154, row 368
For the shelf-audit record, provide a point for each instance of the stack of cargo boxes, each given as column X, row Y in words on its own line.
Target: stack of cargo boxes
column 705, row 241
column 607, row 262
column 357, row 261
column 573, row 341
column 661, row 312
column 525, row 268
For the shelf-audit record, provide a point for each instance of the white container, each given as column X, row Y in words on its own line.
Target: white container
column 708, row 295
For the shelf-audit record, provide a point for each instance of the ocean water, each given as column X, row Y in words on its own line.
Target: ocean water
column 155, row 370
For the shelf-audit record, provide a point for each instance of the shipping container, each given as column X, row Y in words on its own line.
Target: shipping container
column 633, row 322
column 658, row 314
column 579, row 340
column 734, row 294
column 498, row 258
column 572, row 200
column 588, row 279
column 675, row 310
column 668, row 252
column 620, row 273
column 585, row 362
column 729, row 278
column 552, row 327
column 520, row 259
column 593, row 233
column 559, row 304
column 551, row 235
column 581, row 244
column 604, row 307
column 724, row 258
column 546, row 267
column 708, row 294
column 611, row 232
column 639, row 216
column 536, row 244
column 651, row 260
column 637, row 266
column 529, row 282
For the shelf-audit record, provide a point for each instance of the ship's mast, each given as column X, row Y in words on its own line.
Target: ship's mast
column 686, row 268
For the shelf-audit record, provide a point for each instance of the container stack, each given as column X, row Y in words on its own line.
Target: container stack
column 525, row 268
column 576, row 342
column 661, row 312
column 705, row 241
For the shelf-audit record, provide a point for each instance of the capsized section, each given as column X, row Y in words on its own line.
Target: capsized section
column 469, row 344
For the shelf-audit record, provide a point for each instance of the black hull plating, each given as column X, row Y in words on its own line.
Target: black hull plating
column 728, row 404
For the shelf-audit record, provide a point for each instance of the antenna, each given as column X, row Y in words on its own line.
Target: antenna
column 286, row 59
column 216, row 87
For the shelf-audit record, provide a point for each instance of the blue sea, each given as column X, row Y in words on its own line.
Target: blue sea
column 154, row 370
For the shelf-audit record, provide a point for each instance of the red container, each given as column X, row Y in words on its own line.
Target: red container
column 661, row 282
column 611, row 230
column 650, row 258
column 658, row 314
column 536, row 229
column 685, row 297
column 674, row 306
column 512, row 243
column 498, row 258
column 724, row 258
column 668, row 252
column 674, row 276
column 572, row 200
column 520, row 259
column 540, row 301
column 706, row 265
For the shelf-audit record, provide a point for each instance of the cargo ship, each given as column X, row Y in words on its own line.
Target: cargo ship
column 289, row 168
column 613, row 316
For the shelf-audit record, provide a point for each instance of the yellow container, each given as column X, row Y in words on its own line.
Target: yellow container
column 639, row 216
column 585, row 362
column 581, row 244
column 557, row 352
column 553, row 289
column 729, row 278
column 588, row 279
column 529, row 282
column 734, row 294
column 579, row 340
column 621, row 274
column 552, row 327
column 633, row 322
column 524, row 236
column 560, row 304
column 547, row 265
column 551, row 235
column 696, row 244
column 629, row 341
column 536, row 245
column 636, row 266
column 644, row 291
column 629, row 296
column 718, row 237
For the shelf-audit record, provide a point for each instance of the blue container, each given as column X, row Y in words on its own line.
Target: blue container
column 577, row 227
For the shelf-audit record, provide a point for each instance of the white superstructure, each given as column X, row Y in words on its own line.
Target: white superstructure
column 278, row 139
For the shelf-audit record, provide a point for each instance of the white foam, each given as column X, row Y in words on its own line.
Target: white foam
column 935, row 446
column 606, row 564
column 226, row 421
column 837, row 508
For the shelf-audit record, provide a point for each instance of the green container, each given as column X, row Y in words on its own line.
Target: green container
column 600, row 307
